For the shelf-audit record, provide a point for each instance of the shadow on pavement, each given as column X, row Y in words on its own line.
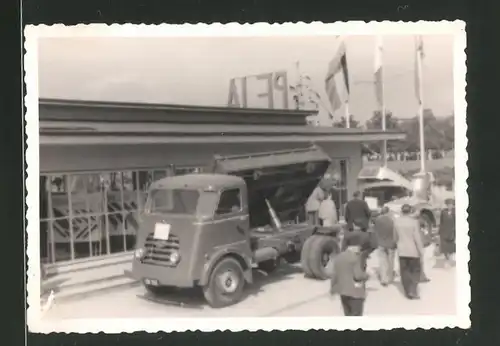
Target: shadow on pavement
column 52, row 285
column 193, row 297
column 260, row 280
column 400, row 288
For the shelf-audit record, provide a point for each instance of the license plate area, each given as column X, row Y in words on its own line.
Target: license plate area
column 152, row 282
column 162, row 231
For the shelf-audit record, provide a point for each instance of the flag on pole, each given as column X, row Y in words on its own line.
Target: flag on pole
column 379, row 88
column 336, row 65
column 419, row 57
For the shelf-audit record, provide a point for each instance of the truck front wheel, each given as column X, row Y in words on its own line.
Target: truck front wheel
column 321, row 251
column 226, row 283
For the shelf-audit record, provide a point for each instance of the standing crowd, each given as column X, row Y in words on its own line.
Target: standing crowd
column 391, row 235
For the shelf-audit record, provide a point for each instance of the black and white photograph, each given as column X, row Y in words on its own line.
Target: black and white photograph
column 246, row 177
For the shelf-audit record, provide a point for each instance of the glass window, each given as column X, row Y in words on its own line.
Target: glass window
column 187, row 170
column 113, row 184
column 175, row 201
column 129, row 194
column 130, row 215
column 230, row 202
column 92, row 214
column 337, row 181
column 157, row 175
column 58, row 183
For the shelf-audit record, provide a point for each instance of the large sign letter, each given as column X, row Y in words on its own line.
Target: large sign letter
column 244, row 91
column 269, row 93
column 233, row 99
column 281, row 84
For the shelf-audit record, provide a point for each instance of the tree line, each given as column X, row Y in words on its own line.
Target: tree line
column 439, row 132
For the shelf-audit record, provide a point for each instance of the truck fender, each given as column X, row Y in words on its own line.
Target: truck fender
column 245, row 262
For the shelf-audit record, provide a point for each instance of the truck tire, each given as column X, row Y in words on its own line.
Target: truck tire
column 304, row 256
column 321, row 250
column 226, row 283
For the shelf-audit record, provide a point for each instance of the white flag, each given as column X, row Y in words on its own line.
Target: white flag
column 379, row 88
column 419, row 57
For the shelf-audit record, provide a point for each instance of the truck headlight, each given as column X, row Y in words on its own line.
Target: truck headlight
column 175, row 257
column 139, row 253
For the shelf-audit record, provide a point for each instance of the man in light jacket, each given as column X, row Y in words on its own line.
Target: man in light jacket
column 328, row 211
column 410, row 250
column 386, row 240
column 312, row 205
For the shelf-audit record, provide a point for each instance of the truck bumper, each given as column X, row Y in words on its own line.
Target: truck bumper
column 164, row 276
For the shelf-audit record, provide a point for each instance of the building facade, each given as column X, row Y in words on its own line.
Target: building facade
column 97, row 160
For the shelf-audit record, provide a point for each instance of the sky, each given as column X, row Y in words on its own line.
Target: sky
column 197, row 70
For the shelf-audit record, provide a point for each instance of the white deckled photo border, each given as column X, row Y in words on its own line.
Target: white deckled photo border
column 35, row 320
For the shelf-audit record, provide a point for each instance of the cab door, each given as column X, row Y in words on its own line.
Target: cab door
column 231, row 221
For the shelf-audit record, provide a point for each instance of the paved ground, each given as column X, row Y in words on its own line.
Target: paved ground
column 284, row 293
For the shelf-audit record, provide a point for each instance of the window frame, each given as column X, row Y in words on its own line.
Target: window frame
column 231, row 213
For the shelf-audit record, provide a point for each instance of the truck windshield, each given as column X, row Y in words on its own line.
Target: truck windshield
column 173, row 201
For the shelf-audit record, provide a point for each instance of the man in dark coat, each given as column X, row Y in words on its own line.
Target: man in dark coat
column 447, row 231
column 357, row 213
column 349, row 278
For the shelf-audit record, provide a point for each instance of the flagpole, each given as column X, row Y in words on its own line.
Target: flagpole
column 422, row 139
column 347, row 115
column 300, row 89
column 384, row 122
column 421, row 110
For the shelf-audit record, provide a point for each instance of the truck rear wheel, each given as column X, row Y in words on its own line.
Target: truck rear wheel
column 226, row 283
column 304, row 257
column 321, row 251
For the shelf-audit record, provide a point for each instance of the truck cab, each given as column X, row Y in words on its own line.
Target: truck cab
column 211, row 230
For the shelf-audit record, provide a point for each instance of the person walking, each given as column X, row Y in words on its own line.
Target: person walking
column 386, row 240
column 312, row 205
column 328, row 211
column 447, row 232
column 349, row 278
column 410, row 251
column 357, row 213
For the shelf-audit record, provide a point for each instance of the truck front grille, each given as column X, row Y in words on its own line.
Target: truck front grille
column 157, row 252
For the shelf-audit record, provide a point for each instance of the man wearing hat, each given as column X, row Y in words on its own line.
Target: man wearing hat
column 410, row 250
column 447, row 231
column 327, row 210
column 349, row 278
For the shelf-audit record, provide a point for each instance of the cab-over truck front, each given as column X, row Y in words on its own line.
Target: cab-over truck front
column 212, row 230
